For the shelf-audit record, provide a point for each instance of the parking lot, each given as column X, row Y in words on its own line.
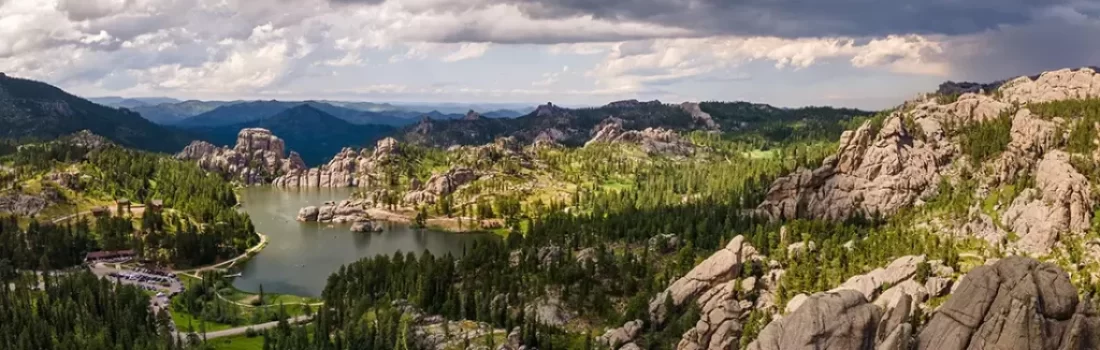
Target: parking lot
column 165, row 285
column 149, row 280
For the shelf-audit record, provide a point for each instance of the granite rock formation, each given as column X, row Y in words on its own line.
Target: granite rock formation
column 346, row 169
column 257, row 157
column 652, row 140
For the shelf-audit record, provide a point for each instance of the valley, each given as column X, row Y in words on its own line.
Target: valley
column 963, row 218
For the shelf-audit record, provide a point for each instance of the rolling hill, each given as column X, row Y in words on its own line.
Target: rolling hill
column 35, row 110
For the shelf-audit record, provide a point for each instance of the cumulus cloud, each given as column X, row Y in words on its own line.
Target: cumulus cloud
column 79, row 10
column 663, row 61
column 467, row 51
column 620, row 46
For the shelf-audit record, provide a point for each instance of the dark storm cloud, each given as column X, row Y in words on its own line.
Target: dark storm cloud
column 796, row 18
column 358, row 2
column 1025, row 50
column 792, row 18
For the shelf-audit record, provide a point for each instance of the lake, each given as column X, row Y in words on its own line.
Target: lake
column 300, row 256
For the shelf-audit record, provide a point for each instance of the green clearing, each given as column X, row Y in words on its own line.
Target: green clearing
column 239, row 342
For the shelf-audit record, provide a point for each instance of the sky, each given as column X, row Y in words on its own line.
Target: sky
column 855, row 53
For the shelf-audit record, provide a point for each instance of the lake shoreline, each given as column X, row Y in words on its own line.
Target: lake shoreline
column 299, row 257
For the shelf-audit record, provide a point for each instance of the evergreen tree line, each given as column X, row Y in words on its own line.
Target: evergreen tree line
column 77, row 311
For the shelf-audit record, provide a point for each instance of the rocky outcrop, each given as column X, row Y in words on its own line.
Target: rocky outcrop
column 721, row 267
column 618, row 337
column 874, row 171
column 664, row 243
column 70, row 180
column 345, row 211
column 471, row 115
column 348, row 168
column 1062, row 202
column 652, row 140
column 1056, row 85
column 550, row 311
column 256, row 158
column 440, row 185
column 25, row 205
column 897, row 271
column 832, row 320
column 87, row 139
column 722, row 294
column 1017, row 303
column 881, row 171
column 701, row 118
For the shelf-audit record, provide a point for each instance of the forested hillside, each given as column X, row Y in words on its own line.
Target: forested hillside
column 704, row 249
column 37, row 111
column 574, row 127
column 70, row 177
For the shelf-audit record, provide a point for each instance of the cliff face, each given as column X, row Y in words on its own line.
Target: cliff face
column 347, row 169
column 257, row 157
column 882, row 168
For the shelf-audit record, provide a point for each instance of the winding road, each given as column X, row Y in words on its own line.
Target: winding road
column 243, row 329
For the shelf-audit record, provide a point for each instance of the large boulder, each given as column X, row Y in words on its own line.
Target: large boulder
column 616, row 337
column 1017, row 303
column 307, row 214
column 832, row 320
column 721, row 267
column 550, row 311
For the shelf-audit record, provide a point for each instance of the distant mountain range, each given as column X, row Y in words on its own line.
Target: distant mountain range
column 194, row 113
column 575, row 126
column 35, row 110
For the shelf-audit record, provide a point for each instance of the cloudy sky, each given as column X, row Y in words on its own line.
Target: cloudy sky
column 861, row 53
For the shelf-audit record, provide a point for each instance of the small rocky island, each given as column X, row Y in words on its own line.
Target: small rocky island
column 345, row 211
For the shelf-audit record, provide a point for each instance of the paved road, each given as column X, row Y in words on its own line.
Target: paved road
column 230, row 262
column 241, row 330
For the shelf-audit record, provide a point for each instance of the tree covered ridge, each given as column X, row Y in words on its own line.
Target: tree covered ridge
column 79, row 311
column 38, row 111
column 573, row 127
column 201, row 226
